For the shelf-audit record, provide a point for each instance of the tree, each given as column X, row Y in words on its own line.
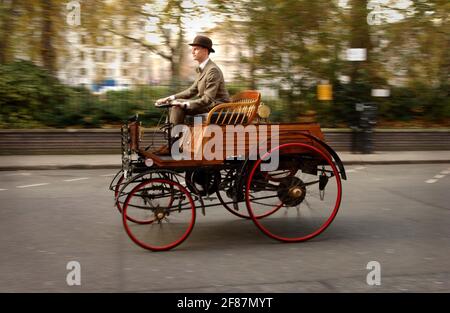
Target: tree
column 32, row 30
column 412, row 50
column 163, row 21
column 291, row 43
column 48, row 32
column 7, row 11
column 360, row 38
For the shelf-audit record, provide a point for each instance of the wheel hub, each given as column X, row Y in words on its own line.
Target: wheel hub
column 295, row 192
column 291, row 191
column 160, row 214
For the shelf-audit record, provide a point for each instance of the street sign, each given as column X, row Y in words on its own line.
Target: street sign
column 382, row 93
column 356, row 54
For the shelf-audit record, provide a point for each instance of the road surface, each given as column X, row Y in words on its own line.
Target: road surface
column 395, row 215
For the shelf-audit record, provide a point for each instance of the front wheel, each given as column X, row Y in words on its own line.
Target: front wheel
column 169, row 212
column 306, row 201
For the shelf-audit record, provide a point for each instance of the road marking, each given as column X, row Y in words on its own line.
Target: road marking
column 356, row 169
column 34, row 185
column 18, row 174
column 3, row 189
column 108, row 175
column 76, row 179
column 442, row 174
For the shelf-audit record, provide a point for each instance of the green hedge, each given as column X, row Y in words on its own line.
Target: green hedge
column 31, row 98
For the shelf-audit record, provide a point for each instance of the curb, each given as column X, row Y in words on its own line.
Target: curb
column 396, row 162
column 57, row 167
column 117, row 167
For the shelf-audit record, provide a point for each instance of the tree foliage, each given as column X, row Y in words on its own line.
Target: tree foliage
column 289, row 45
column 29, row 94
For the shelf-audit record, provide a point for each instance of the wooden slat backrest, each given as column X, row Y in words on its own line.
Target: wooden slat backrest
column 242, row 109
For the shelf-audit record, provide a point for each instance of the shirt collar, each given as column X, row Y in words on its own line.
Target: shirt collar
column 203, row 64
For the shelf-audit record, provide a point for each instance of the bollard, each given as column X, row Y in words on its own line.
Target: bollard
column 362, row 135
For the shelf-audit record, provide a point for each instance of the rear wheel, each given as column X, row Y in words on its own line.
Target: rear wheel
column 303, row 202
column 167, row 209
column 233, row 198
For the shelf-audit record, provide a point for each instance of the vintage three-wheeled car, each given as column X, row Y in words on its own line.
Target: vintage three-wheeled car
column 283, row 177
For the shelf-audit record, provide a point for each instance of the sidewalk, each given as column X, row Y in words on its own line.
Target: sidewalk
column 106, row 161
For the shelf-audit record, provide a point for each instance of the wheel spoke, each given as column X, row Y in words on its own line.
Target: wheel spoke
column 172, row 213
column 304, row 214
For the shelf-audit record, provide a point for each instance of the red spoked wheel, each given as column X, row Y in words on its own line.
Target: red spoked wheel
column 169, row 212
column 305, row 203
column 115, row 185
column 123, row 188
column 121, row 191
column 117, row 188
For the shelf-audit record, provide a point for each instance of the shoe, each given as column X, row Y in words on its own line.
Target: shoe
column 164, row 150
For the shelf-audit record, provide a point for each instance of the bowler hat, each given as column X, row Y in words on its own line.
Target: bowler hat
column 204, row 42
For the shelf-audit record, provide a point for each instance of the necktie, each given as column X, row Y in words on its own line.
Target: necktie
column 198, row 70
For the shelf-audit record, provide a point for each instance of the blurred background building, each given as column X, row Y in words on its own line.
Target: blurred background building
column 114, row 64
column 132, row 54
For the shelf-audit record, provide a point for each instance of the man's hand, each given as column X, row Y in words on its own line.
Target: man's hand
column 162, row 101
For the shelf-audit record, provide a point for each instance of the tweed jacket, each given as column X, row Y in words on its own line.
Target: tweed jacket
column 208, row 88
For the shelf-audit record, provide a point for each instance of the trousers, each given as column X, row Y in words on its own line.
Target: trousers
column 177, row 114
